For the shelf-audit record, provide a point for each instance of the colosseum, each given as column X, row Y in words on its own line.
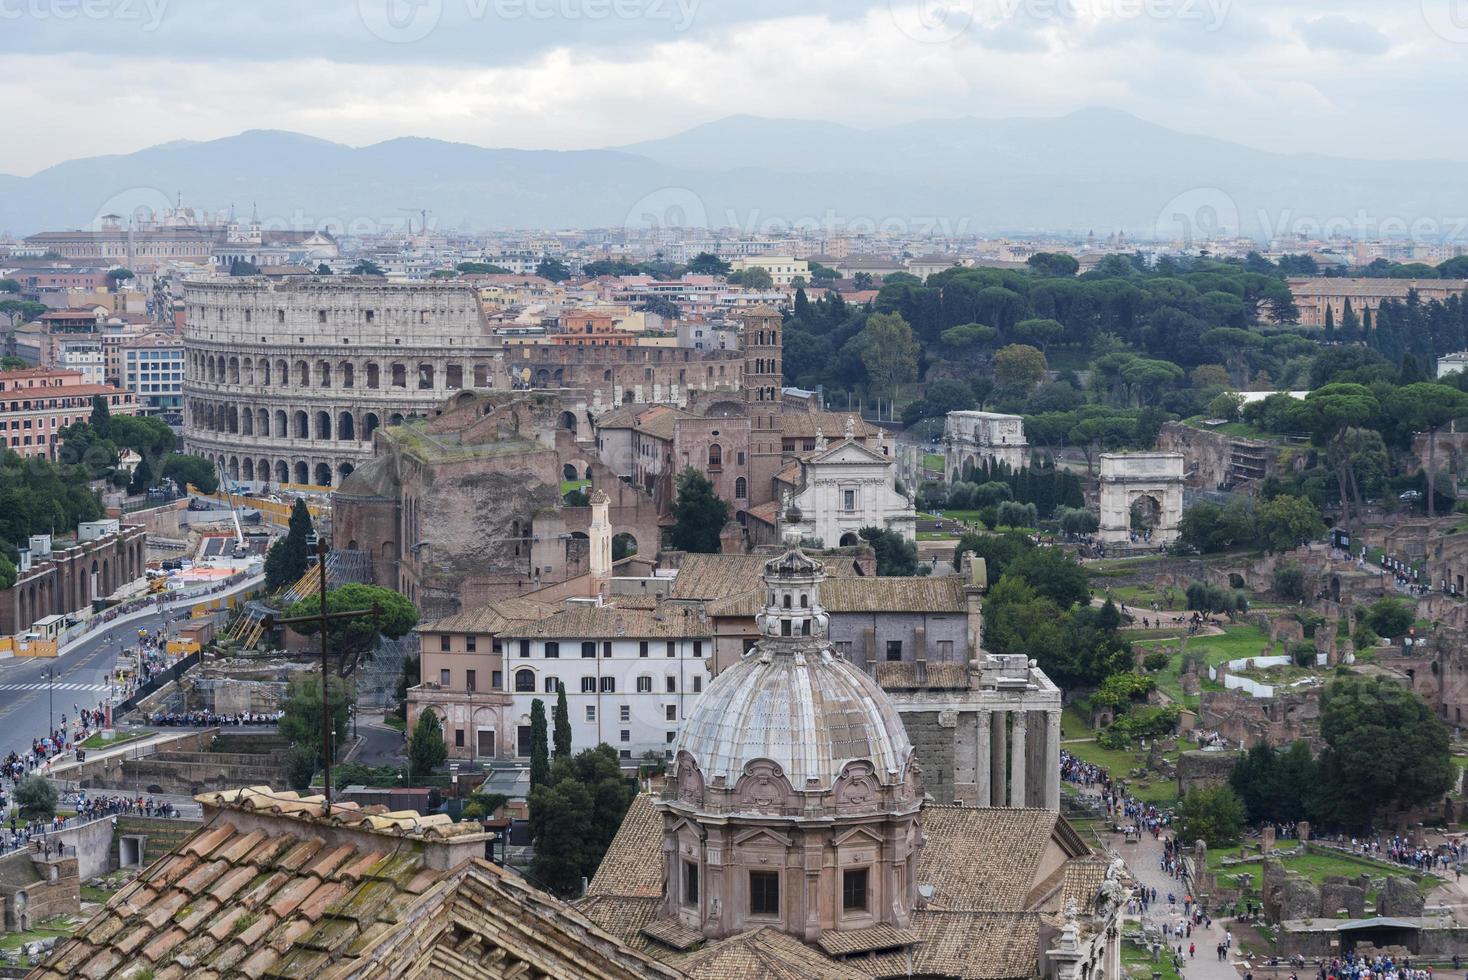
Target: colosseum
column 287, row 381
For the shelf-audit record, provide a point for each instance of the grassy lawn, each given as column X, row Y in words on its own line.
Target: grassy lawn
column 393, row 721
column 59, row 926
column 1314, row 865
column 1159, row 789
column 1137, row 962
column 1235, row 643
column 119, row 738
column 91, row 893
column 933, row 461
column 568, row 485
column 936, row 536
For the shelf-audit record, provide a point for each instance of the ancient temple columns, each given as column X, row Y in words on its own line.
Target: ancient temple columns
column 1015, row 765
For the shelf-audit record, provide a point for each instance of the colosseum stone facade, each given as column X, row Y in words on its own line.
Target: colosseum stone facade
column 286, row 381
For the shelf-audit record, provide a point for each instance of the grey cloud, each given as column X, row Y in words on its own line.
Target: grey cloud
column 1336, row 33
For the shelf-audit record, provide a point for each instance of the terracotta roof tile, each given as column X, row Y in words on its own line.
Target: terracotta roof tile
column 262, row 960
column 225, row 888
column 161, row 911
column 206, row 841
column 200, row 878
column 202, row 909
column 241, row 847
column 291, row 895
column 133, row 940
column 102, row 964
column 224, row 926
column 252, row 933
column 359, row 866
column 324, row 897
column 296, row 858
column 164, row 944
column 328, row 862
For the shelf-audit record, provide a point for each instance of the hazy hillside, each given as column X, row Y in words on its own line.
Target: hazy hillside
column 1096, row 169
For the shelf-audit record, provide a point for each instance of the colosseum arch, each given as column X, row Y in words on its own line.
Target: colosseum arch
column 282, row 471
column 234, row 468
column 262, row 470
column 264, row 371
column 247, row 470
column 232, row 420
column 425, row 376
column 345, row 470
column 370, row 424
column 348, row 372
column 399, row 375
column 323, row 474
column 303, row 374
column 247, row 370
column 396, row 418
column 346, row 430
column 303, row 472
column 281, row 431
column 247, row 422
column 302, row 426
column 373, row 375
column 209, row 368
column 323, row 374
column 323, row 425
column 234, row 370
column 282, row 372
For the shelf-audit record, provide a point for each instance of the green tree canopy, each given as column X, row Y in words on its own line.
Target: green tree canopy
column 889, row 352
column 185, row 469
column 426, row 748
column 895, row 555
column 699, row 514
column 1287, row 522
column 574, row 815
column 286, row 561
column 1213, row 815
column 1385, row 751
column 349, row 638
column 561, row 732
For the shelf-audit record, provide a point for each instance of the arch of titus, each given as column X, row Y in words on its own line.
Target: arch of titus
column 1155, row 480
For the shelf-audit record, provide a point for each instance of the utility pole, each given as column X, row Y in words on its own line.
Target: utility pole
column 51, row 697
column 321, row 619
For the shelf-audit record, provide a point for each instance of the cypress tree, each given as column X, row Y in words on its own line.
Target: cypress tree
column 561, row 734
column 539, row 752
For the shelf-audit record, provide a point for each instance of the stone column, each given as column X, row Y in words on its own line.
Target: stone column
column 1052, row 760
column 1017, row 760
column 982, row 759
column 998, row 759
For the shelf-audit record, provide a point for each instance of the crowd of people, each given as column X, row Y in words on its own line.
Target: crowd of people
column 1442, row 858
column 1353, row 967
column 211, row 719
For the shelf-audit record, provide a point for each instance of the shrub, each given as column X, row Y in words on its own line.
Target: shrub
column 1289, row 583
column 1155, row 661
column 300, row 766
column 36, row 796
column 1140, row 722
column 1303, row 654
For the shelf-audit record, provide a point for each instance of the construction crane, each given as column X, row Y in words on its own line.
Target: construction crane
column 239, row 533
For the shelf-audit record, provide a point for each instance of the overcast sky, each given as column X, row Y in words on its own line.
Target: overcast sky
column 1369, row 78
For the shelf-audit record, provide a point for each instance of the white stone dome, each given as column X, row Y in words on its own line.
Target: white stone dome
column 802, row 707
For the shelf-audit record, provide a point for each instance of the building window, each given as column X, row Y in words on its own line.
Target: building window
column 470, row 643
column 764, row 893
column 606, row 648
column 458, row 738
column 854, row 890
column 642, row 648
column 591, row 712
column 443, row 643
column 469, row 681
column 672, row 649
column 552, row 649
column 443, row 678
column 697, row 684
column 698, row 648
column 522, row 741
column 588, row 685
column 670, row 737
column 625, row 712
column 671, row 711
column 848, row 500
column 644, row 685
column 608, row 685
column 588, row 649
column 524, row 682
column 626, row 735
column 741, row 488
column 945, row 650
column 551, row 685
column 497, row 679
column 525, row 649
column 672, row 684
column 894, row 649
column 690, row 883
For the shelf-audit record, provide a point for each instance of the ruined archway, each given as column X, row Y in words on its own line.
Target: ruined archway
column 1141, row 499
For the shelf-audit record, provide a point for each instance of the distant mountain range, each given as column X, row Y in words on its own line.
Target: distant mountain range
column 1093, row 169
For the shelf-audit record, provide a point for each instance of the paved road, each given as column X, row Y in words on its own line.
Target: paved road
column 31, row 700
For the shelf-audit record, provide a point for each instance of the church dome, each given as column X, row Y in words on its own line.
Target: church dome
column 808, row 711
